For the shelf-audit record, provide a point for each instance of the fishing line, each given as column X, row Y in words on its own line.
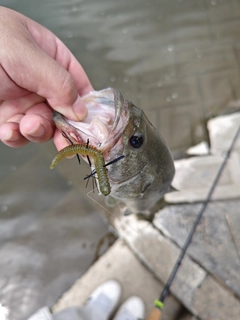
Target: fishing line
column 94, row 182
column 155, row 313
column 89, row 161
column 107, row 164
column 94, row 171
column 98, row 158
column 98, row 203
column 66, row 137
column 99, row 162
column 99, row 200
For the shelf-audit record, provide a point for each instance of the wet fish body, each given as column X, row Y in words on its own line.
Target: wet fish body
column 117, row 127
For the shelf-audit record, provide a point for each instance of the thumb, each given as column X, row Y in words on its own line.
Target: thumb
column 41, row 74
column 42, row 64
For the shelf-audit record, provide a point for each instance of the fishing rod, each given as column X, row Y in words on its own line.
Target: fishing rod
column 156, row 312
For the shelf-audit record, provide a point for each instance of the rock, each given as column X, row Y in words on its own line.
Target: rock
column 200, row 149
column 195, row 287
column 194, row 177
column 216, row 242
column 222, row 129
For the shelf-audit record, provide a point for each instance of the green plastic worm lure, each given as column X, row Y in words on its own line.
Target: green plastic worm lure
column 98, row 162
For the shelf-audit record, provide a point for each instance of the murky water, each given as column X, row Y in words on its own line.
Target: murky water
column 176, row 59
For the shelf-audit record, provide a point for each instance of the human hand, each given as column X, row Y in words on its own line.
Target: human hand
column 38, row 73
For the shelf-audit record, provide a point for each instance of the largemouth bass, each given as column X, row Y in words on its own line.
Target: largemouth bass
column 115, row 127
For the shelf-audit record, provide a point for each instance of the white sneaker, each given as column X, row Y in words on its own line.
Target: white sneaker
column 132, row 309
column 103, row 301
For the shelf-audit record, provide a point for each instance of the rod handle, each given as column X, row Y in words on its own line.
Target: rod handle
column 155, row 314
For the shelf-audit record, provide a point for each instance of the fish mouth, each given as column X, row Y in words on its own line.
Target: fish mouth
column 105, row 123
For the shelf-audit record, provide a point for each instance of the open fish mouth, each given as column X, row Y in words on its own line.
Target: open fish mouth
column 107, row 119
column 115, row 129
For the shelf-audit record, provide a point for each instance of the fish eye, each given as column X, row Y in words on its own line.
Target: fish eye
column 136, row 140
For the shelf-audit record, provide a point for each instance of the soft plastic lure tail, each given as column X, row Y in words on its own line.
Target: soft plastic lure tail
column 98, row 162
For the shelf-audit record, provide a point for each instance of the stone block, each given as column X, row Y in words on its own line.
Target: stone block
column 120, row 263
column 222, row 130
column 194, row 178
column 199, row 291
column 215, row 241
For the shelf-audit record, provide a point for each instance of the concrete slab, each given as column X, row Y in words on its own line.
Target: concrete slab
column 204, row 295
column 121, row 264
column 215, row 241
column 194, row 177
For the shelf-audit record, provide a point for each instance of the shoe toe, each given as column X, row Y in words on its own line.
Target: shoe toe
column 104, row 300
column 132, row 309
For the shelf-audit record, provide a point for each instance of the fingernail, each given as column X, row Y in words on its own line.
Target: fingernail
column 70, row 157
column 10, row 136
column 37, row 132
column 79, row 109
